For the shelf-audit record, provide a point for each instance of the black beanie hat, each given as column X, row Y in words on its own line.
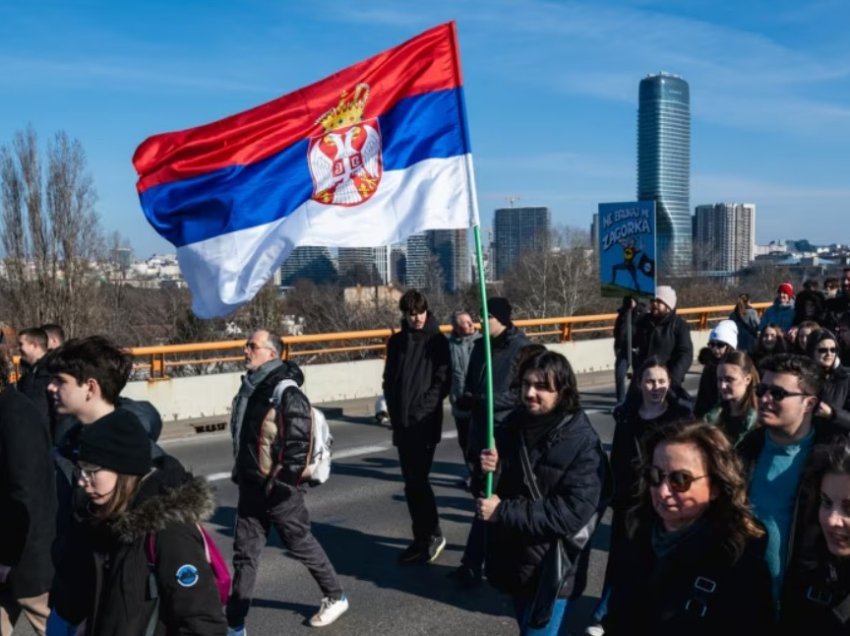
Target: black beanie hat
column 117, row 442
column 500, row 309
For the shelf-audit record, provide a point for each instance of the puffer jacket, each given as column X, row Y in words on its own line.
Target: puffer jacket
column 669, row 340
column 778, row 314
column 718, row 417
column 168, row 505
column 816, row 594
column 272, row 441
column 417, row 378
column 504, row 350
column 572, row 474
column 461, row 350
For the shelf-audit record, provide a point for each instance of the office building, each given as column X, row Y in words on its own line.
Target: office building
column 517, row 231
column 724, row 237
column 364, row 265
column 664, row 167
column 446, row 248
column 308, row 263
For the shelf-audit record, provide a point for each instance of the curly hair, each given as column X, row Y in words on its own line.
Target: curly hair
column 730, row 509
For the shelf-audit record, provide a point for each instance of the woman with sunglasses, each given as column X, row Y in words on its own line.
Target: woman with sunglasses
column 646, row 410
column 693, row 562
column 151, row 570
column 823, row 349
column 552, row 470
column 771, row 341
column 722, row 339
column 737, row 413
column 816, row 597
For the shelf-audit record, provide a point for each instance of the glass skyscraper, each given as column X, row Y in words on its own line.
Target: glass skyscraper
column 664, row 167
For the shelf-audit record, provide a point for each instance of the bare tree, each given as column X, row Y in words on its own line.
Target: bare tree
column 557, row 281
column 50, row 233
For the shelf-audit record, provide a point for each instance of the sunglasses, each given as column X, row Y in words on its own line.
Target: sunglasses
column 825, row 350
column 776, row 392
column 679, row 480
column 717, row 345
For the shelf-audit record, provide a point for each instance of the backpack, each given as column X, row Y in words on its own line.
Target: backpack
column 211, row 552
column 321, row 440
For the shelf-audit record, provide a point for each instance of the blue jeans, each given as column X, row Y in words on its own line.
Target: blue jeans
column 556, row 625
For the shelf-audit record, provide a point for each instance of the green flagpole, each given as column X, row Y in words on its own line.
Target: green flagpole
column 488, row 359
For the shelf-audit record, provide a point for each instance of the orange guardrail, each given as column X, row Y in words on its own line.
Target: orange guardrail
column 153, row 362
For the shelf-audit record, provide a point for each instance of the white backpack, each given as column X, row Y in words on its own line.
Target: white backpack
column 321, row 440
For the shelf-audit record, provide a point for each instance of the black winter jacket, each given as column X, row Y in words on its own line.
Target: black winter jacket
column 626, row 447
column 836, row 393
column 696, row 589
column 816, row 596
column 571, row 470
column 33, row 383
column 669, row 340
column 169, row 504
column 504, row 351
column 707, row 394
column 620, row 324
column 417, row 378
column 27, row 496
column 265, row 446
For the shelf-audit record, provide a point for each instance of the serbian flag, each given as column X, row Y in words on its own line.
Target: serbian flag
column 365, row 157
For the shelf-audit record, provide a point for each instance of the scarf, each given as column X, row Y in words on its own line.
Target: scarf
column 250, row 381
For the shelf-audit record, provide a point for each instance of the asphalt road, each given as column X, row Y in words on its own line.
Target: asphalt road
column 361, row 519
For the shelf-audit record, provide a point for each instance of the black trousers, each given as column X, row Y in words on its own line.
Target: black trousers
column 416, row 461
column 256, row 515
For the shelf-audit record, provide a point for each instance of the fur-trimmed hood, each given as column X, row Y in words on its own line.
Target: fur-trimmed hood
column 168, row 495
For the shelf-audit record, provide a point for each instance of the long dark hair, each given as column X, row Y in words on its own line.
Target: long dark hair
column 746, row 364
column 558, row 372
column 730, row 509
column 125, row 491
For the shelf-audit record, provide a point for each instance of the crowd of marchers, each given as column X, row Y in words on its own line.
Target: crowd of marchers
column 730, row 507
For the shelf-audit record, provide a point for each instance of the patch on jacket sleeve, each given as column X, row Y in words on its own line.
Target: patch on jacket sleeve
column 187, row 575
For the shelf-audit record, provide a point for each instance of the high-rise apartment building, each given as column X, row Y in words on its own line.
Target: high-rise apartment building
column 724, row 236
column 364, row 265
column 664, row 167
column 309, row 263
column 516, row 231
column 448, row 249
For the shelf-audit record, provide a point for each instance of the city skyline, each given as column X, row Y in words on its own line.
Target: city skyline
column 550, row 92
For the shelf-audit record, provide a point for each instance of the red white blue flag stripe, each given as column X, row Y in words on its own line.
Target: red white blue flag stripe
column 365, row 157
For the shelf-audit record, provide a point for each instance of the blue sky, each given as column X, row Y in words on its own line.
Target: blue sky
column 551, row 91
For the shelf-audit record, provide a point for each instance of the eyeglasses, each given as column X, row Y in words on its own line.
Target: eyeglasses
column 678, row 480
column 825, row 350
column 253, row 346
column 776, row 392
column 85, row 474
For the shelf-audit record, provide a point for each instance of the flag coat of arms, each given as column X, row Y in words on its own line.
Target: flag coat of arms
column 365, row 157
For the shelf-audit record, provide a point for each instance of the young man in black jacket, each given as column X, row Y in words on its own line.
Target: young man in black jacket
column 271, row 446
column 27, row 508
column 417, row 377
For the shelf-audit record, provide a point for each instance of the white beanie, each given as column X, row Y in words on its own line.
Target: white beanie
column 726, row 331
column 666, row 295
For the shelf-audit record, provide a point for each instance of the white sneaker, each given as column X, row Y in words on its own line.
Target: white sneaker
column 237, row 631
column 329, row 611
column 595, row 629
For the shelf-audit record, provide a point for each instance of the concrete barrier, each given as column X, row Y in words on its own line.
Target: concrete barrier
column 211, row 395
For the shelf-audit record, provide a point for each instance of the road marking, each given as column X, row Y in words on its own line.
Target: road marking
column 358, row 451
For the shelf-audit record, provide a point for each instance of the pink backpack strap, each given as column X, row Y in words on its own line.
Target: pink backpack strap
column 150, row 548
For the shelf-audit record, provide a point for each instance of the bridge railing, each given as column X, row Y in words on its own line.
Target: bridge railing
column 155, row 362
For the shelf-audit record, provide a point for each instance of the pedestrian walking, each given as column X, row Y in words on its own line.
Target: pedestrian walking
column 737, row 412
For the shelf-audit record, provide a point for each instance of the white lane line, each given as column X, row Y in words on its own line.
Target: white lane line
column 358, row 451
